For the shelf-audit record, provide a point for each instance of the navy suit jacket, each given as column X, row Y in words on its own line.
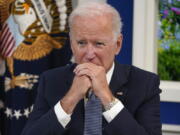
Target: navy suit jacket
column 138, row 90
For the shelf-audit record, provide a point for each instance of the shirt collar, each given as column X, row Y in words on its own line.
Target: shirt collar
column 109, row 73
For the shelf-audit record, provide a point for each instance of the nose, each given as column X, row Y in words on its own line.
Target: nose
column 90, row 52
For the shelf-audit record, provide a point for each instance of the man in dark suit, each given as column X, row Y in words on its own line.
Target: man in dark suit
column 129, row 96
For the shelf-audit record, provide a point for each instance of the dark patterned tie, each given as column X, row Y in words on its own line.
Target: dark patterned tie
column 93, row 116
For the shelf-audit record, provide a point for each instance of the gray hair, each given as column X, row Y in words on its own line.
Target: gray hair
column 96, row 8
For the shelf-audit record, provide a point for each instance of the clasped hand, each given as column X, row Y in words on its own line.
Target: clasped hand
column 87, row 76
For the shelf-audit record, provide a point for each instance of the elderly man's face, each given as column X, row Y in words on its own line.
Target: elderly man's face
column 92, row 40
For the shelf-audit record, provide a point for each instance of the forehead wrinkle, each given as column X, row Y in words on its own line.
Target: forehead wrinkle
column 83, row 27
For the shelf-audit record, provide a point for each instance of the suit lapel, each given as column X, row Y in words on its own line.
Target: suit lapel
column 117, row 83
column 119, row 79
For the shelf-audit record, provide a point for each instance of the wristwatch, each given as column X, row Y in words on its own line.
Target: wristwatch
column 111, row 104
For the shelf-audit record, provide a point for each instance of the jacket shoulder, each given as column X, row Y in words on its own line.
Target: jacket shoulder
column 135, row 71
column 145, row 80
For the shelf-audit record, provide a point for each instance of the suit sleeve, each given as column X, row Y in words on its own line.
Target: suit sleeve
column 42, row 120
column 145, row 121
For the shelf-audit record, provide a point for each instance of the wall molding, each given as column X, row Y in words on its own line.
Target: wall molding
column 144, row 34
column 170, row 91
column 167, row 127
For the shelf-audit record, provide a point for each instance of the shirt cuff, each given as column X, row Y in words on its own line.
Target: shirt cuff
column 61, row 115
column 109, row 115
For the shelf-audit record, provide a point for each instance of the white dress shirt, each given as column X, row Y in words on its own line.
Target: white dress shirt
column 109, row 115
